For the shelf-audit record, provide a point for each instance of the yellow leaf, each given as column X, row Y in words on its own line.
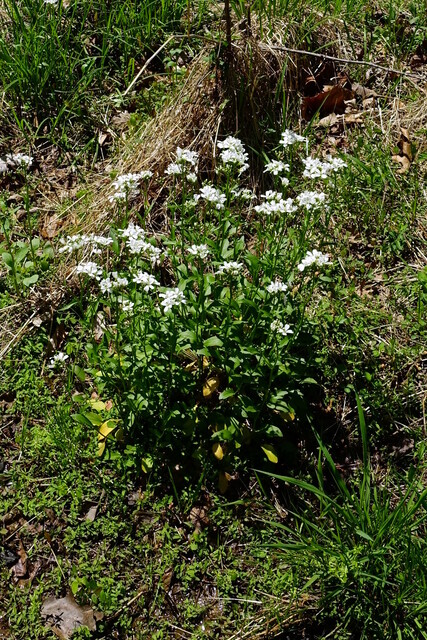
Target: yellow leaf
column 222, row 482
column 101, row 447
column 288, row 416
column 270, row 453
column 218, row 451
column 147, row 464
column 119, row 435
column 106, row 428
column 210, row 386
column 97, row 405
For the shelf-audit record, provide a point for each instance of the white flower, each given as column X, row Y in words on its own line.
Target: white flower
column 146, row 175
column 171, row 298
column 336, row 163
column 275, row 167
column 313, row 257
column 192, row 177
column 58, row 359
column 51, row 1
column 132, row 231
column 19, row 160
column 212, row 195
column 279, row 327
column 90, row 269
column 106, row 285
column 315, row 168
column 276, row 205
column 185, row 155
column 284, row 181
column 310, row 199
column 126, row 305
column 146, row 279
column 272, row 196
column 174, row 169
column 243, row 194
column 233, row 268
column 290, row 137
column 233, row 153
column 119, row 281
column 112, row 282
column 277, row 287
column 101, row 241
column 199, row 250
column 126, row 185
column 73, row 243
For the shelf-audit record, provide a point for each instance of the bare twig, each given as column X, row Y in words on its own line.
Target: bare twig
column 143, row 68
column 345, row 60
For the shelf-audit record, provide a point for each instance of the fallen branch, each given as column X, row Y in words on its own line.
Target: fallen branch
column 345, row 60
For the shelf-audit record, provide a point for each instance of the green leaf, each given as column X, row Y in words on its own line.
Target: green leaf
column 27, row 282
column 21, row 253
column 227, row 393
column 79, row 373
column 274, row 432
column 8, row 260
column 213, row 342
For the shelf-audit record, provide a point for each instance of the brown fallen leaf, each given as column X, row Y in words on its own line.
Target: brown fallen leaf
column 326, row 102
column 20, row 569
column 363, row 92
column 404, row 158
column 64, row 616
column 51, row 227
column 199, row 517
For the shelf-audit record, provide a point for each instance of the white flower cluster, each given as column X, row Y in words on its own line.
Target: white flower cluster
column 112, row 282
column 185, row 164
column 274, row 203
column 58, row 359
column 171, row 298
column 80, row 240
column 277, row 286
column 278, row 327
column 212, row 195
column 243, row 194
column 135, row 241
column 310, row 199
column 276, row 167
column 126, row 305
column 199, row 251
column 127, row 185
column 315, row 168
column 148, row 281
column 233, row 268
column 313, row 257
column 90, row 269
column 290, row 137
column 233, row 153
column 15, row 161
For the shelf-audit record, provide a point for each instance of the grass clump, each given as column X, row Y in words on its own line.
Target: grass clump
column 364, row 554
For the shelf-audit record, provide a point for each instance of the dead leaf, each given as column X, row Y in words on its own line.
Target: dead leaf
column 405, row 164
column 102, row 136
column 64, row 616
column 405, row 156
column 210, row 386
column 51, row 227
column 326, row 102
column 199, row 517
column 362, row 91
column 328, row 121
column 167, row 579
column 20, row 570
column 91, row 514
column 404, row 144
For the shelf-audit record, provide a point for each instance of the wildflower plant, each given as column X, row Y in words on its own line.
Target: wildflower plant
column 204, row 348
